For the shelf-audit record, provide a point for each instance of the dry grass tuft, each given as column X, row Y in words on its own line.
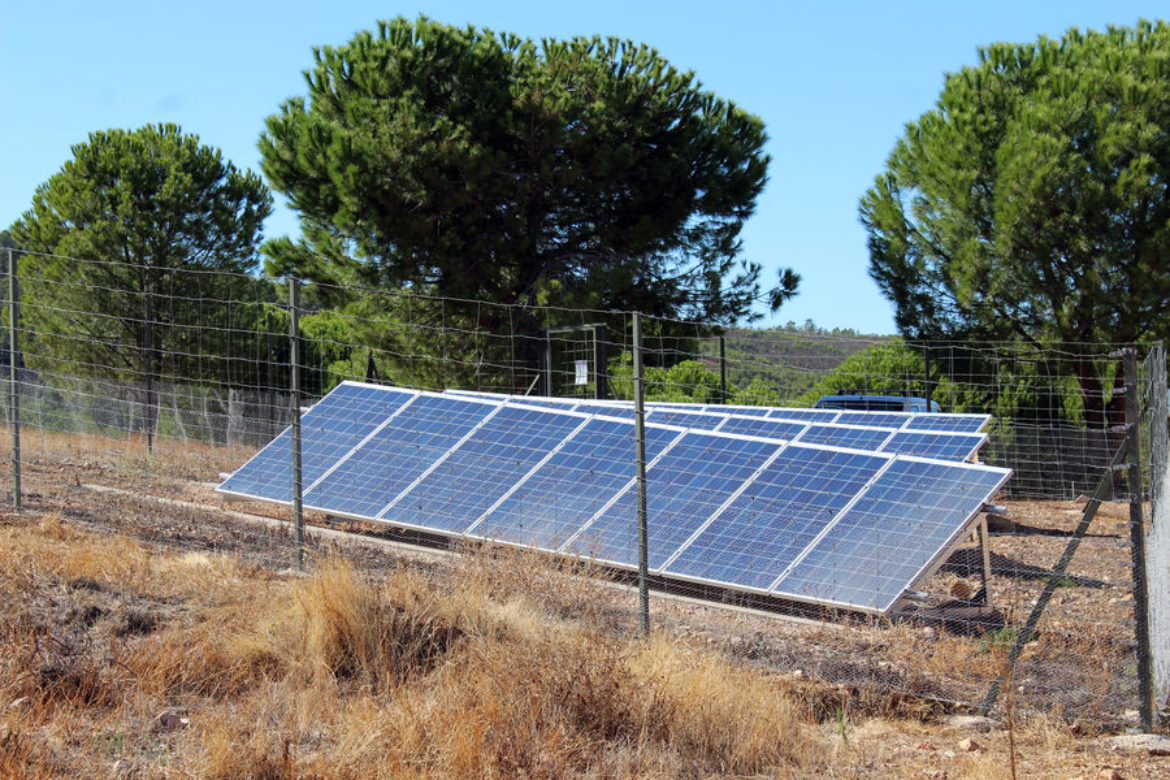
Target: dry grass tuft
column 729, row 718
column 511, row 666
column 338, row 628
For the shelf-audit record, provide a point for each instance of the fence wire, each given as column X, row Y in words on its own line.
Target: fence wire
column 160, row 381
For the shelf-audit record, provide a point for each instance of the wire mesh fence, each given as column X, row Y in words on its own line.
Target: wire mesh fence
column 158, row 381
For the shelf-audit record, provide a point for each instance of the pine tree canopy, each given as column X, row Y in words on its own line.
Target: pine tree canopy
column 476, row 165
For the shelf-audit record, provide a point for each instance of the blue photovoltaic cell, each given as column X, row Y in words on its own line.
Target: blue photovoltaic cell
column 857, row 437
column 329, row 430
column 874, row 419
column 685, row 487
column 482, row 469
column 885, row 541
column 955, row 423
column 396, row 455
column 935, row 421
column 706, row 422
column 550, row 403
column 624, row 412
column 758, row 426
column 941, row 446
column 746, row 411
column 780, row 513
column 572, row 486
column 803, row 415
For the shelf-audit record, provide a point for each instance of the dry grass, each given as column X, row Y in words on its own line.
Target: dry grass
column 334, row 675
column 513, row 668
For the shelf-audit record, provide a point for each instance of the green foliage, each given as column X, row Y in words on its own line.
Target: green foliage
column 756, row 393
column 688, row 381
column 785, row 361
column 891, row 368
column 466, row 164
column 117, row 244
column 1031, row 202
column 1023, row 391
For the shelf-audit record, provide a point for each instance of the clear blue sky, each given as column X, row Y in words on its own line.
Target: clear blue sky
column 835, row 84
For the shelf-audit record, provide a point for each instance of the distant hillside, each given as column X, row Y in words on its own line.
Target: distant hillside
column 788, row 358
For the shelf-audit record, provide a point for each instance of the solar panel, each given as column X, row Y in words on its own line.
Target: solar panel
column 661, row 416
column 955, row 423
column 942, row 446
column 807, row 415
column 575, row 484
column 390, row 460
column 685, row 486
column 771, row 522
column 876, row 419
column 778, row 514
column 891, row 535
column 757, row 426
column 479, row 470
column 934, row 421
column 610, row 410
column 329, row 430
column 855, row 436
column 747, row 411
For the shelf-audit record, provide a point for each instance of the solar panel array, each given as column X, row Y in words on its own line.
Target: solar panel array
column 954, row 422
column 807, row 522
column 935, row 435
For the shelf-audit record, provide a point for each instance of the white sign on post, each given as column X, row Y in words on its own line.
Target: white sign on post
column 582, row 377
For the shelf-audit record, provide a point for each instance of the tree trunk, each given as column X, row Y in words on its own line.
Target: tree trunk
column 1104, row 418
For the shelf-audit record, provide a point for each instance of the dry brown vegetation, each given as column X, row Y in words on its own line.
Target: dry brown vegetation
column 334, row 675
column 141, row 639
column 337, row 674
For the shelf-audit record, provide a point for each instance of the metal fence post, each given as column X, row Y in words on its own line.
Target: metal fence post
column 722, row 370
column 14, row 375
column 294, row 333
column 926, row 376
column 640, row 455
column 1137, row 537
column 548, row 367
column 600, row 361
column 148, row 411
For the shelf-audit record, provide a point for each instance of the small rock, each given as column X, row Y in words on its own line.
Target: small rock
column 971, row 723
column 169, row 720
column 1109, row 773
column 969, row 745
column 797, row 673
column 930, row 633
column 1153, row 744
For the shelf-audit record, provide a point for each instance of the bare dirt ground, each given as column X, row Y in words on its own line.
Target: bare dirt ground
column 886, row 689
